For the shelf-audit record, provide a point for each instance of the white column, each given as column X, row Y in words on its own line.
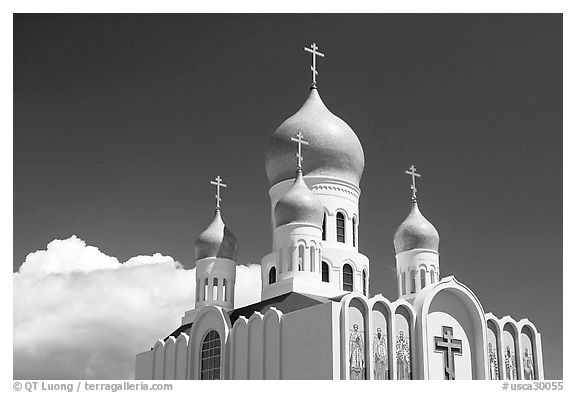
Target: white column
column 220, row 290
column 347, row 231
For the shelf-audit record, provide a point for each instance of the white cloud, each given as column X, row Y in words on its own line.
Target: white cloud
column 79, row 313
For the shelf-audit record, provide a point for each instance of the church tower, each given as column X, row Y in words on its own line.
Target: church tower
column 333, row 166
column 416, row 243
column 216, row 250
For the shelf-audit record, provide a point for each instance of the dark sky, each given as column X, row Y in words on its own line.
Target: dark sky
column 121, row 121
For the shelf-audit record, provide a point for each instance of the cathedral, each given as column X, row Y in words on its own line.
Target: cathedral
column 317, row 318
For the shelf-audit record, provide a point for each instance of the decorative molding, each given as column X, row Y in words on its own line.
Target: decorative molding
column 331, row 187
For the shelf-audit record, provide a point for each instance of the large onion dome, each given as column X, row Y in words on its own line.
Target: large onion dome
column 299, row 204
column 416, row 232
column 334, row 148
column 216, row 241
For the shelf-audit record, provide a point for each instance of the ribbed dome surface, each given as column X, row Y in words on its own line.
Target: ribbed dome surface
column 299, row 204
column 216, row 241
column 334, row 149
column 416, row 232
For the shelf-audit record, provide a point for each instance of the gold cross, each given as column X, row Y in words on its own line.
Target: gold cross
column 313, row 66
column 412, row 172
column 300, row 141
column 218, row 183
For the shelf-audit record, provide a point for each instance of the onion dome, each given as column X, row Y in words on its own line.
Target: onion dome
column 416, row 232
column 334, row 148
column 299, row 204
column 216, row 241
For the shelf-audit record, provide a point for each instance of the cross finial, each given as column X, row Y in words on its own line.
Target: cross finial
column 412, row 172
column 300, row 141
column 313, row 49
column 218, row 183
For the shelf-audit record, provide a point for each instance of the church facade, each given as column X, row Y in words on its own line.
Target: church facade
column 316, row 318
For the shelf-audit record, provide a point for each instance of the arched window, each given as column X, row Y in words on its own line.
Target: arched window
column 422, row 278
column 215, row 289
column 348, row 278
column 224, row 290
column 210, row 356
column 364, row 283
column 340, row 229
column 272, row 275
column 324, row 227
column 432, row 276
column 205, row 289
column 412, row 281
column 354, row 231
column 325, row 272
column 312, row 258
column 300, row 257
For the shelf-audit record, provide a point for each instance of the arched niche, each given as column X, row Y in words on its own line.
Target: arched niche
column 256, row 346
column 510, row 368
column 239, row 353
column 380, row 341
column 455, row 334
column 403, row 343
column 170, row 358
column 527, row 353
column 492, row 339
column 272, row 339
column 158, row 360
column 357, row 340
column 181, row 356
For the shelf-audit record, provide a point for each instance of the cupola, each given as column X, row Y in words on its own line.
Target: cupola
column 299, row 205
column 334, row 151
column 216, row 241
column 416, row 232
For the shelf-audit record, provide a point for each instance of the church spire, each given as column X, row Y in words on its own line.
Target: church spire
column 416, row 244
column 216, row 252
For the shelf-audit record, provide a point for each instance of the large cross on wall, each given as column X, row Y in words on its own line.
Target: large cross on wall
column 450, row 347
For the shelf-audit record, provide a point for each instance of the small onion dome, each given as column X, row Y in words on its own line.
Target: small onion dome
column 216, row 241
column 334, row 149
column 299, row 204
column 416, row 232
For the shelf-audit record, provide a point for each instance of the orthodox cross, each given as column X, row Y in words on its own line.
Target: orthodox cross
column 300, row 141
column 450, row 347
column 412, row 172
column 313, row 66
column 218, row 183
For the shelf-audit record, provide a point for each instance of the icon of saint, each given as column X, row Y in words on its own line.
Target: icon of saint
column 356, row 348
column 403, row 369
column 493, row 362
column 528, row 365
column 380, row 349
column 510, row 364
